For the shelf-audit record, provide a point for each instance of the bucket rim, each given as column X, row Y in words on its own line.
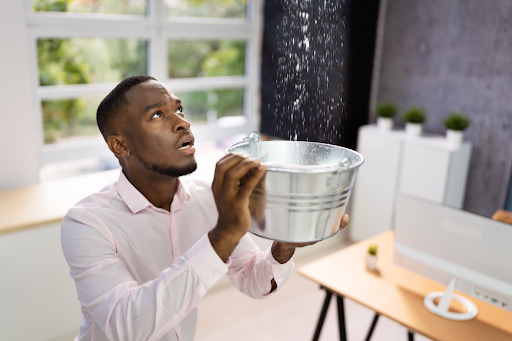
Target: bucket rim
column 271, row 169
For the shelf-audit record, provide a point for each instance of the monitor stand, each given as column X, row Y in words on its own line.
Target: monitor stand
column 442, row 308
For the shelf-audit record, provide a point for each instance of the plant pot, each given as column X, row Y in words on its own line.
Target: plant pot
column 384, row 123
column 454, row 136
column 413, row 129
column 371, row 261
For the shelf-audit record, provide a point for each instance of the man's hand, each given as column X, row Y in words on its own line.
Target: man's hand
column 235, row 178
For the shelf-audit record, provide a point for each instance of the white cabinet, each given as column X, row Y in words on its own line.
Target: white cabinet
column 426, row 166
column 433, row 170
column 371, row 204
column 423, row 171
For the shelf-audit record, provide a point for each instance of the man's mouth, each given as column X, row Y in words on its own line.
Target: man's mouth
column 185, row 145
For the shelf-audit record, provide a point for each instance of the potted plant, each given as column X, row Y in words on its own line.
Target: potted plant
column 371, row 257
column 385, row 114
column 414, row 118
column 455, row 125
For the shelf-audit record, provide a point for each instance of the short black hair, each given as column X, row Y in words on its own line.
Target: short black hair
column 108, row 113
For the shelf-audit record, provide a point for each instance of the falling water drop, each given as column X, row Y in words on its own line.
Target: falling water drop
column 309, row 54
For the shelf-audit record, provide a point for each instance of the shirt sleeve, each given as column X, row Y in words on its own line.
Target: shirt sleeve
column 123, row 308
column 251, row 270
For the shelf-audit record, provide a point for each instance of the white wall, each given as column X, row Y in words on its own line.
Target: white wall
column 18, row 144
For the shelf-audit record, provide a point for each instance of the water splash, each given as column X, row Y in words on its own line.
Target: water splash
column 307, row 54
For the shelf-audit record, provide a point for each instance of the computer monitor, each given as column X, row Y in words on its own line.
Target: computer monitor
column 442, row 242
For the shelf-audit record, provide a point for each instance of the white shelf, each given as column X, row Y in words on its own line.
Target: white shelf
column 426, row 166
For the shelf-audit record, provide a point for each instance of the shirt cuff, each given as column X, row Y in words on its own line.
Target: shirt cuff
column 206, row 262
column 280, row 272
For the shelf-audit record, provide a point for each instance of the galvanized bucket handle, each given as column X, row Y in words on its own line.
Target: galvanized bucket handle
column 253, row 137
column 344, row 163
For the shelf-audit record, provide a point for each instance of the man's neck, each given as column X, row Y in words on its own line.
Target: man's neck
column 157, row 188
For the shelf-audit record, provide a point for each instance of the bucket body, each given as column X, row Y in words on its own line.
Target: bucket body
column 304, row 193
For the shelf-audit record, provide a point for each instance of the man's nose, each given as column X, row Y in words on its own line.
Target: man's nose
column 179, row 124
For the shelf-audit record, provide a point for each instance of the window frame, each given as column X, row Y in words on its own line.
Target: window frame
column 156, row 28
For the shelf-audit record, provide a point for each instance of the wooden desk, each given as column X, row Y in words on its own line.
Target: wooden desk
column 398, row 293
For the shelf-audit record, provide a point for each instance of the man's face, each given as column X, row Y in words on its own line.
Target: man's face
column 157, row 133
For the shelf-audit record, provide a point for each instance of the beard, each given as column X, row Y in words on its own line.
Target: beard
column 170, row 171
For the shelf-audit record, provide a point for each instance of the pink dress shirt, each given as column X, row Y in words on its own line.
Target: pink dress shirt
column 141, row 271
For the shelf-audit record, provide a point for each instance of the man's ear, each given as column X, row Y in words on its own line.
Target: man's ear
column 117, row 146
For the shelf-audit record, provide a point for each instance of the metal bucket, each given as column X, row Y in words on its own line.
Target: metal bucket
column 304, row 193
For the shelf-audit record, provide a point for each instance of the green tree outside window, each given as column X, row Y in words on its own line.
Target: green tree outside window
column 97, row 60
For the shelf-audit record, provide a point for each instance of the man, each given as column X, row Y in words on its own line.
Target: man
column 145, row 250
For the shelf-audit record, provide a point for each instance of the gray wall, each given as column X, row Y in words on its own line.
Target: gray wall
column 450, row 55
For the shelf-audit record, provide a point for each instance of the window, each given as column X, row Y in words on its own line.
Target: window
column 206, row 51
column 212, row 8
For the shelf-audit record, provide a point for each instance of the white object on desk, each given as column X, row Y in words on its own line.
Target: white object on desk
column 425, row 166
column 442, row 308
column 371, row 261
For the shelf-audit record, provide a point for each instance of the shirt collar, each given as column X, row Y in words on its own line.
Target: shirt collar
column 181, row 196
column 137, row 202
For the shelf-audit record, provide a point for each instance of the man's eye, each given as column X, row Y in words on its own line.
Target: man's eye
column 156, row 115
column 179, row 110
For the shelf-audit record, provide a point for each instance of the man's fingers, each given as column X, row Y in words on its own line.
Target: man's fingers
column 251, row 180
column 222, row 167
column 344, row 221
column 303, row 244
column 237, row 172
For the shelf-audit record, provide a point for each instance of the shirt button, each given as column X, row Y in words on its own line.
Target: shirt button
column 215, row 273
column 278, row 270
column 268, row 289
column 269, row 262
column 181, row 313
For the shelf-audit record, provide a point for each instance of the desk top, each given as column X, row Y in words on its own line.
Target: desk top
column 398, row 293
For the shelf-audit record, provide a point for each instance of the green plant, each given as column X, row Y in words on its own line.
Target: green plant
column 89, row 60
column 372, row 250
column 414, row 115
column 457, row 121
column 386, row 109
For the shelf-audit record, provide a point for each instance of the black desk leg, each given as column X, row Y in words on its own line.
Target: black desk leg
column 410, row 334
column 320, row 324
column 372, row 327
column 341, row 318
